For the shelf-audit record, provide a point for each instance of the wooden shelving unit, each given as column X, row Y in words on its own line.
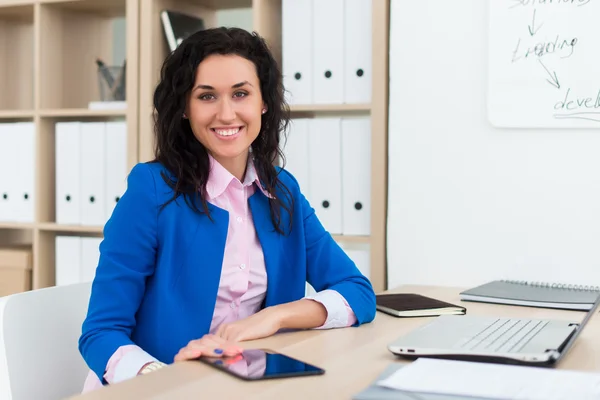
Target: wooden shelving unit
column 52, row 227
column 8, row 115
column 331, row 108
column 48, row 73
column 267, row 21
column 81, row 113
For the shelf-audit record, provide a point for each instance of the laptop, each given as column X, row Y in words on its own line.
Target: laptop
column 535, row 342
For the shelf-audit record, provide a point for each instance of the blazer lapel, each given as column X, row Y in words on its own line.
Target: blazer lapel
column 203, row 260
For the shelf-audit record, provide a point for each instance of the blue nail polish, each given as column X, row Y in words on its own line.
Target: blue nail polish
column 219, row 362
column 218, row 351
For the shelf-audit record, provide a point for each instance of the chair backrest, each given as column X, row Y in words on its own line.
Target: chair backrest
column 39, row 331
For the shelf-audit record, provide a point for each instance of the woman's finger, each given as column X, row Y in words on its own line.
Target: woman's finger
column 194, row 351
column 229, row 347
column 213, row 340
column 226, row 332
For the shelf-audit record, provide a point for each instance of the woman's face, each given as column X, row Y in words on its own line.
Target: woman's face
column 225, row 106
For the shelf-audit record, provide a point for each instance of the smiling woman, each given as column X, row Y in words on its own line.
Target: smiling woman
column 221, row 79
column 211, row 244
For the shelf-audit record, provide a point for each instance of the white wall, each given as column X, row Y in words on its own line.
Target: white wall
column 468, row 202
column 238, row 17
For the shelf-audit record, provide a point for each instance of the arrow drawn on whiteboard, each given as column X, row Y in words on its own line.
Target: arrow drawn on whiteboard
column 531, row 28
column 554, row 82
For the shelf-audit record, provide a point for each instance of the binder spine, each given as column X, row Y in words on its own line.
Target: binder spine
column 554, row 285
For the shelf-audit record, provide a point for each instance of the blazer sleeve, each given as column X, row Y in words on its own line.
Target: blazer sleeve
column 127, row 255
column 329, row 267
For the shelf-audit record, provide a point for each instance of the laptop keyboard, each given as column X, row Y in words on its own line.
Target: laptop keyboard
column 503, row 336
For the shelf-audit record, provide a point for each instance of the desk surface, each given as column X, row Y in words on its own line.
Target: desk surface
column 352, row 358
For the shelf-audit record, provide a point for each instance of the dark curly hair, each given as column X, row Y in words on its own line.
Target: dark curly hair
column 176, row 147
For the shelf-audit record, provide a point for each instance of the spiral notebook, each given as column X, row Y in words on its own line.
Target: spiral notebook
column 534, row 294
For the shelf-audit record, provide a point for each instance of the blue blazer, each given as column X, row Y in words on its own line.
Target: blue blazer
column 158, row 275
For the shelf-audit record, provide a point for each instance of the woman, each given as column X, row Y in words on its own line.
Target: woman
column 211, row 244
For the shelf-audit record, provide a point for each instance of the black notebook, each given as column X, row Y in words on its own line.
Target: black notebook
column 534, row 294
column 415, row 305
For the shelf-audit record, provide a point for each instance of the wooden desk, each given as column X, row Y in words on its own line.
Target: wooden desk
column 352, row 358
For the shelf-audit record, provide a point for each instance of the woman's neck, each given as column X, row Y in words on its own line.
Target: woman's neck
column 236, row 166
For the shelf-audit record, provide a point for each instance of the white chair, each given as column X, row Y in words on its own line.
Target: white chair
column 39, row 330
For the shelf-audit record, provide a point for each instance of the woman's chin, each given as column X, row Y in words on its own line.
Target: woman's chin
column 230, row 154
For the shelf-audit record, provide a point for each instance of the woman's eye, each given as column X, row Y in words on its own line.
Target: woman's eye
column 240, row 94
column 206, row 96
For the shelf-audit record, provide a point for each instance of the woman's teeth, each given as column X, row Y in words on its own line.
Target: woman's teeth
column 227, row 132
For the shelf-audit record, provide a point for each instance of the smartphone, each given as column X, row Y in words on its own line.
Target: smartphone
column 260, row 364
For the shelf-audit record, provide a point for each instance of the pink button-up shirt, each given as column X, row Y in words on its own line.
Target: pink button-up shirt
column 243, row 283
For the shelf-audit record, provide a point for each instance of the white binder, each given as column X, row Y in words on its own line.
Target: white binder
column 296, row 153
column 297, row 50
column 361, row 258
column 357, row 51
column 325, row 172
column 68, row 173
column 115, row 164
column 9, row 181
column 90, row 255
column 24, row 196
column 93, row 193
column 67, row 260
column 328, row 51
column 356, row 176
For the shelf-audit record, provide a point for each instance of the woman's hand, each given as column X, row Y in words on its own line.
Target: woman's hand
column 208, row 345
column 301, row 314
column 262, row 324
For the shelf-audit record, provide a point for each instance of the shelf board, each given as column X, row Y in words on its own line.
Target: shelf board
column 16, row 114
column 351, row 239
column 16, row 225
column 17, row 10
column 52, row 227
column 330, row 108
column 109, row 8
column 81, row 112
column 225, row 4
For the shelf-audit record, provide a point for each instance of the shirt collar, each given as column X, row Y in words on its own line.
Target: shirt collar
column 219, row 178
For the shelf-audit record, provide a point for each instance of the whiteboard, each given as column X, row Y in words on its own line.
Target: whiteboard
column 544, row 63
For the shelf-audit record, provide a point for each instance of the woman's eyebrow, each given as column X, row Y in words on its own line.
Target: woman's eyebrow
column 208, row 87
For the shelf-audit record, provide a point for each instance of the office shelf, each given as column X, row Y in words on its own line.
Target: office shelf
column 81, row 113
column 109, row 8
column 7, row 115
column 81, row 32
column 224, row 4
column 48, row 73
column 52, row 227
column 330, row 108
column 351, row 239
column 17, row 225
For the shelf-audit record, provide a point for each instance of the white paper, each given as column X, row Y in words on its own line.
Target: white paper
column 494, row 381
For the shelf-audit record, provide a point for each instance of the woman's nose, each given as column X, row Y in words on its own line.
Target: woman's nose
column 226, row 111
